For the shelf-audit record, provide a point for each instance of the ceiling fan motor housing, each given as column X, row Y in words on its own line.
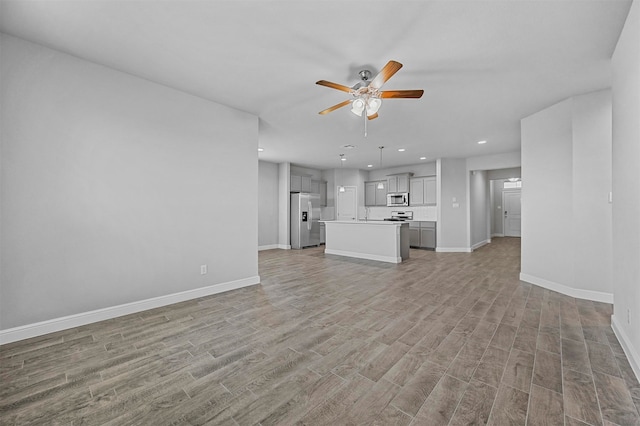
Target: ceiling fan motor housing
column 365, row 75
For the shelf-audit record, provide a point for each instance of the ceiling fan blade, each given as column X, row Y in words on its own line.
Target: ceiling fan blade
column 372, row 116
column 334, row 85
column 388, row 94
column 335, row 107
column 385, row 74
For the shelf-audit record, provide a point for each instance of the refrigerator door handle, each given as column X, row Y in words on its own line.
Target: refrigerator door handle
column 310, row 215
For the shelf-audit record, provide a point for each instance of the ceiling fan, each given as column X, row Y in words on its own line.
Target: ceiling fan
column 367, row 96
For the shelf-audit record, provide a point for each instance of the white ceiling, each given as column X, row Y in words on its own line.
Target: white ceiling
column 483, row 65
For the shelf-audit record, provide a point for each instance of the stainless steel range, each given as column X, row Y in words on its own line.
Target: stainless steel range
column 400, row 216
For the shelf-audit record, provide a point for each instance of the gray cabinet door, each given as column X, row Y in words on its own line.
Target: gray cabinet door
column 430, row 190
column 323, row 194
column 370, row 194
column 381, row 195
column 416, row 191
column 315, row 187
column 414, row 237
column 428, row 238
column 306, row 184
column 296, row 183
column 392, row 184
column 403, row 183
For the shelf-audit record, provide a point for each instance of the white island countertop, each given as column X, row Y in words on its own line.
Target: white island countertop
column 367, row 222
column 385, row 241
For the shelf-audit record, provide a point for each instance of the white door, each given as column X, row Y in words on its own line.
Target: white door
column 512, row 208
column 347, row 203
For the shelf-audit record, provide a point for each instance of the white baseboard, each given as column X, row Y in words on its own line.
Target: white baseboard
column 275, row 246
column 454, row 249
column 596, row 296
column 632, row 355
column 76, row 320
column 388, row 259
column 476, row 246
column 497, row 235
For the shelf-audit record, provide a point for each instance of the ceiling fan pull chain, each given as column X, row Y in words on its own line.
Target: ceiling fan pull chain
column 365, row 124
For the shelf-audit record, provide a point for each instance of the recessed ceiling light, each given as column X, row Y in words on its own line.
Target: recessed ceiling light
column 423, row 158
column 401, row 149
column 482, row 142
column 369, row 165
column 260, row 149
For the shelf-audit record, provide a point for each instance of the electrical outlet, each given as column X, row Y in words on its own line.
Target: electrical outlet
column 203, row 269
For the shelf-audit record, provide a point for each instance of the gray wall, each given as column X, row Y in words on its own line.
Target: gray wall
column 453, row 221
column 497, row 211
column 421, row 169
column 566, row 218
column 479, row 203
column 512, row 172
column 115, row 189
column 267, row 204
column 494, row 161
column 547, row 227
column 591, row 186
column 306, row 171
column 626, row 181
column 284, row 201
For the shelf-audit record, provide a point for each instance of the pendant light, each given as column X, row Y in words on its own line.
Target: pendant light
column 342, row 160
column 381, row 183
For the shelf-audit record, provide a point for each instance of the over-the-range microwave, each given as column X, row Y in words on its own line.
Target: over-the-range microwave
column 398, row 199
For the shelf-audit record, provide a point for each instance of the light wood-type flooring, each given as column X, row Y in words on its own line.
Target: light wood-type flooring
column 444, row 338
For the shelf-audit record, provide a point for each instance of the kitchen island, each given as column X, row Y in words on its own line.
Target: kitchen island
column 384, row 241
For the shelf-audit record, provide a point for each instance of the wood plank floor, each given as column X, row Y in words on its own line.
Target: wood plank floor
column 444, row 338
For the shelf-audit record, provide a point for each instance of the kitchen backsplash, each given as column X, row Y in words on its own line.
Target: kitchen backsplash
column 327, row 213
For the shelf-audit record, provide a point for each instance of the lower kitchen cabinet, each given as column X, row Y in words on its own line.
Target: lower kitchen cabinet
column 323, row 234
column 428, row 237
column 414, row 236
column 422, row 235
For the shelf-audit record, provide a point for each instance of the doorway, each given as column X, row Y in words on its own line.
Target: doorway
column 511, row 201
column 347, row 203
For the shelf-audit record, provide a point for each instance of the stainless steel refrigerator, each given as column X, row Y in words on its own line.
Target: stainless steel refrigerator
column 305, row 220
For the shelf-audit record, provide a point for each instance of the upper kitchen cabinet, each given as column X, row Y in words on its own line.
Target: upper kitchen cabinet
column 423, row 191
column 398, row 182
column 300, row 183
column 374, row 196
column 320, row 187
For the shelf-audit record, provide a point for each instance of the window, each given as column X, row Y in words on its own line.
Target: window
column 512, row 185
